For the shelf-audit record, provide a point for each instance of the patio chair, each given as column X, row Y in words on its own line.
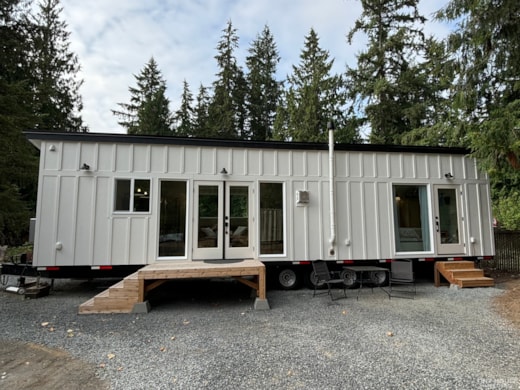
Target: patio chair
column 402, row 275
column 325, row 277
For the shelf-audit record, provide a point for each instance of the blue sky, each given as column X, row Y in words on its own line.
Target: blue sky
column 115, row 39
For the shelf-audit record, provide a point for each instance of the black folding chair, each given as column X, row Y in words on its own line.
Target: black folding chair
column 402, row 279
column 323, row 276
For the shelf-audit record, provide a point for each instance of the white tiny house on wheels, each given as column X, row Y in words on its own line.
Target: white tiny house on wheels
column 108, row 201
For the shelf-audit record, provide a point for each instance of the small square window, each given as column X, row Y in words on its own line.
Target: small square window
column 132, row 195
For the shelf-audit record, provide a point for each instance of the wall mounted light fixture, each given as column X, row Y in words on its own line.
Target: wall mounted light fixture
column 223, row 171
column 448, row 176
column 85, row 167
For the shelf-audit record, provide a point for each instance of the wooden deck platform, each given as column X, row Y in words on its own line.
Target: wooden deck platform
column 129, row 295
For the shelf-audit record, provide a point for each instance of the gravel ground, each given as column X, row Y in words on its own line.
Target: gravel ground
column 205, row 335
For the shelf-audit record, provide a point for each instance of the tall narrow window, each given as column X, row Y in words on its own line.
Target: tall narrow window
column 412, row 222
column 271, row 218
column 172, row 219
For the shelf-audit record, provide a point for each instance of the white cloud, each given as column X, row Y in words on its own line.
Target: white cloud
column 114, row 39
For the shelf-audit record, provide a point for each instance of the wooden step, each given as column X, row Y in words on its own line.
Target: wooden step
column 475, row 282
column 466, row 273
column 459, row 264
column 119, row 298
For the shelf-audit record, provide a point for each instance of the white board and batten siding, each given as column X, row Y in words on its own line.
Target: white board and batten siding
column 76, row 223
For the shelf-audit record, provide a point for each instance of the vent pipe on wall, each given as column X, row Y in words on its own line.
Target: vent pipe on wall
column 332, row 240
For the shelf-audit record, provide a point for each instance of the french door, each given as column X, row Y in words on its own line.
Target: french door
column 448, row 220
column 223, row 220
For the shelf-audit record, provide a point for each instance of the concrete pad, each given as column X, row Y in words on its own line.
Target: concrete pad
column 141, row 307
column 261, row 304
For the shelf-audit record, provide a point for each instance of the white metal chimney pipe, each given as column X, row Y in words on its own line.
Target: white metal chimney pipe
column 332, row 240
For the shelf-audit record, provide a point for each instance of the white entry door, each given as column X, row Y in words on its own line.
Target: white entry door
column 448, row 220
column 223, row 220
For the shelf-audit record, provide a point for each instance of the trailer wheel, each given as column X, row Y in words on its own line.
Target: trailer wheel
column 288, row 279
column 310, row 280
column 378, row 278
column 349, row 278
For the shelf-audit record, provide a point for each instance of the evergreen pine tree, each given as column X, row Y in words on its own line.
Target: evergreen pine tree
column 227, row 111
column 384, row 86
column 313, row 98
column 201, row 114
column 148, row 111
column 184, row 115
column 486, row 54
column 18, row 159
column 262, row 86
column 57, row 102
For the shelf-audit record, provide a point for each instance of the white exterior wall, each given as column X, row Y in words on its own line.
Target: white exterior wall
column 76, row 224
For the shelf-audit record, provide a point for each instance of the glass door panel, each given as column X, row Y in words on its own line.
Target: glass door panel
column 448, row 221
column 172, row 219
column 208, row 217
column 238, row 221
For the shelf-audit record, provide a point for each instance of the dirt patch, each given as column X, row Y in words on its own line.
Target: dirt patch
column 508, row 304
column 31, row 366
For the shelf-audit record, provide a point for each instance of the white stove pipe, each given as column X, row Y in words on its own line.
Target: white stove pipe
column 332, row 240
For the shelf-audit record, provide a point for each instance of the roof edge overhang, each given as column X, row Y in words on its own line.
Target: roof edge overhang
column 36, row 137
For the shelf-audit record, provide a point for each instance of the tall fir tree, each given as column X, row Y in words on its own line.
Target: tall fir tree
column 227, row 110
column 18, row 159
column 57, row 101
column 184, row 116
column 263, row 89
column 201, row 114
column 384, row 85
column 486, row 52
column 313, row 98
column 148, row 111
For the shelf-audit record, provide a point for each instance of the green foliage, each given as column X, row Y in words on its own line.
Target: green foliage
column 184, row 115
column 486, row 59
column 53, row 70
column 18, row 159
column 148, row 111
column 263, row 89
column 507, row 211
column 227, row 110
column 313, row 98
column 14, row 216
column 390, row 88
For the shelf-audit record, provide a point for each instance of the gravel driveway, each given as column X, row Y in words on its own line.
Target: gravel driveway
column 205, row 335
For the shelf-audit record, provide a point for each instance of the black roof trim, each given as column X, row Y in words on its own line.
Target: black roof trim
column 229, row 143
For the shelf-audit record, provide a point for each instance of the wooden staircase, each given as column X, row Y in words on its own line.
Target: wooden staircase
column 119, row 298
column 462, row 274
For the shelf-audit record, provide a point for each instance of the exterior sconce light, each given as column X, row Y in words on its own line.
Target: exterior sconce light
column 448, row 176
column 85, row 167
column 223, row 171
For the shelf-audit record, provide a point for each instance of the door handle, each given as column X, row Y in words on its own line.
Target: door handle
column 437, row 224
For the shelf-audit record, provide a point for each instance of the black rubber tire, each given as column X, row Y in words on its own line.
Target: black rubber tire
column 288, row 278
column 349, row 279
column 310, row 279
column 378, row 278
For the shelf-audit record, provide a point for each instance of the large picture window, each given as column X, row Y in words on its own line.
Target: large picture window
column 132, row 195
column 271, row 218
column 412, row 221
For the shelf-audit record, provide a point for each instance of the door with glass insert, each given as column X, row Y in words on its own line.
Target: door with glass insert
column 222, row 221
column 448, row 220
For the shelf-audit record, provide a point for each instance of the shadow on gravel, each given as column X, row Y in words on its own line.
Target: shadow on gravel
column 200, row 292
